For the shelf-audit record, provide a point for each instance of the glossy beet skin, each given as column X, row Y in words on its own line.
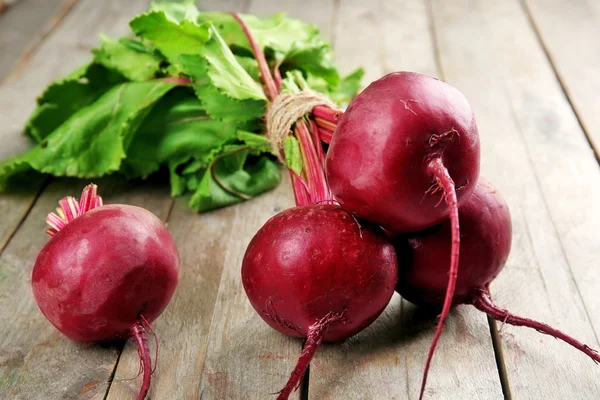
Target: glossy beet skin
column 103, row 270
column 486, row 235
column 308, row 261
column 377, row 162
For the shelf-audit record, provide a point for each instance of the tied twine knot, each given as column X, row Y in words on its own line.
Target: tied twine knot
column 285, row 110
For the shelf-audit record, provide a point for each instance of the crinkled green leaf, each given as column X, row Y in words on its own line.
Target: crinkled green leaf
column 226, row 73
column 299, row 43
column 177, row 127
column 171, row 38
column 66, row 96
column 277, row 33
column 135, row 65
column 234, row 178
column 175, row 39
column 93, row 141
column 216, row 103
column 293, row 157
column 177, row 10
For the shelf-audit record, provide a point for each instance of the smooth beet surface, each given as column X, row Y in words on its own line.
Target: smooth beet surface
column 98, row 274
column 486, row 236
column 316, row 272
column 377, row 161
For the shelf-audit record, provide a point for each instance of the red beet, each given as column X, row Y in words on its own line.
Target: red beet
column 404, row 138
column 486, row 234
column 316, row 272
column 106, row 273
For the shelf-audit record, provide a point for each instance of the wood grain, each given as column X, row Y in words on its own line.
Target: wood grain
column 25, row 27
column 22, row 28
column 569, row 31
column 387, row 359
column 537, row 155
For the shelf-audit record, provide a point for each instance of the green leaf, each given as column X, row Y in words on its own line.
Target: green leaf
column 187, row 38
column 176, row 10
column 250, row 65
column 66, row 96
column 93, row 141
column 171, row 38
column 346, row 90
column 298, row 43
column 216, row 103
column 226, row 73
column 234, row 178
column 277, row 33
column 293, row 158
column 258, row 142
column 313, row 57
column 135, row 65
column 177, row 128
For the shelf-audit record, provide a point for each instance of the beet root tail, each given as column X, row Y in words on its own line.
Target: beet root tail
column 483, row 302
column 445, row 182
column 141, row 338
column 315, row 336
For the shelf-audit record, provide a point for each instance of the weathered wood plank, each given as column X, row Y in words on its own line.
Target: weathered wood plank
column 40, row 360
column 25, row 25
column 387, row 359
column 358, row 38
column 570, row 31
column 537, row 155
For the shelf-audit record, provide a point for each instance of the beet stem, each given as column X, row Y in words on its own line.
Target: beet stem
column 141, row 338
column 327, row 114
column 443, row 179
column 315, row 336
column 483, row 302
column 263, row 66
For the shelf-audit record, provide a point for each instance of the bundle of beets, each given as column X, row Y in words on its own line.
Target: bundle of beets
column 388, row 192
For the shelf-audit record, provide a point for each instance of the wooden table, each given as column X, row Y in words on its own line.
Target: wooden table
column 530, row 68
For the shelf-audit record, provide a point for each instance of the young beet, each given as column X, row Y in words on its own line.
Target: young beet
column 486, row 234
column 106, row 273
column 404, row 138
column 314, row 272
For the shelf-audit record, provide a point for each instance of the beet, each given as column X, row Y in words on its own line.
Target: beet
column 486, row 235
column 106, row 273
column 403, row 139
column 315, row 272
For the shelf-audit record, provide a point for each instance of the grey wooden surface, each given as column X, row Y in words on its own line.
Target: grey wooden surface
column 529, row 68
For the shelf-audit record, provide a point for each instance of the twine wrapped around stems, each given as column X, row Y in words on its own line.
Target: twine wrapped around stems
column 285, row 110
